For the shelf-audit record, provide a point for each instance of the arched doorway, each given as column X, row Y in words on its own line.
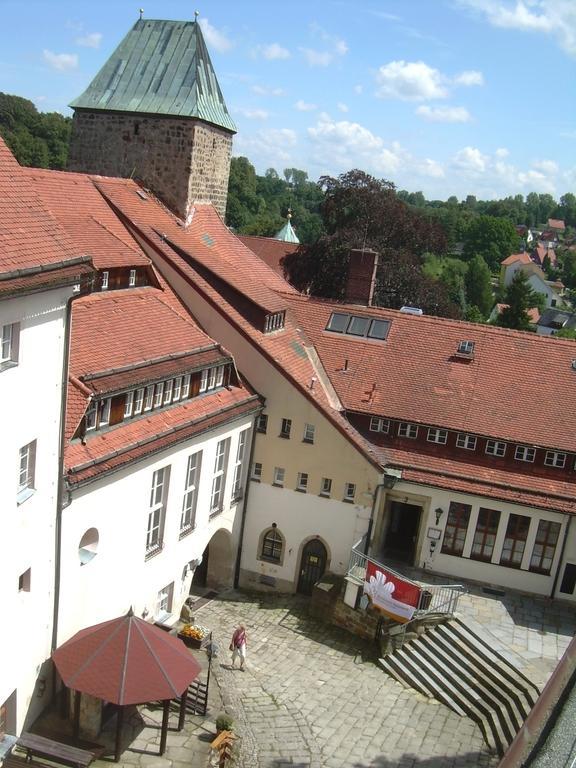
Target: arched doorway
column 217, row 566
column 312, row 565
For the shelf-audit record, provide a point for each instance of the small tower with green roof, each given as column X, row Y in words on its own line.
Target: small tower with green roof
column 155, row 113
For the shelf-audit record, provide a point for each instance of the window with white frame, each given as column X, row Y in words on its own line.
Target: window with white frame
column 204, row 380
column 168, row 389
column 407, row 430
column 544, row 546
column 158, row 394
column 104, row 412
column 349, row 491
column 91, row 416
column 157, row 510
column 138, row 401
column 515, row 541
column 149, row 402
column 132, row 278
column 279, row 474
column 325, row 486
column 27, row 470
column 285, row 428
column 309, row 430
column 468, row 442
column 177, row 389
column 256, row 473
column 524, row 453
column 262, row 423
column 219, row 477
column 555, row 459
column 164, row 601
column 495, row 448
column 186, row 386
column 439, row 436
column 9, row 345
column 193, row 469
column 129, row 404
column 379, row 425
column 241, row 453
column 302, row 482
column 105, row 276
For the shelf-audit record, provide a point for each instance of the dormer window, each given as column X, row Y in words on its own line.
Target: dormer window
column 465, row 348
column 274, row 322
column 211, row 378
column 91, row 415
column 105, row 276
column 132, row 278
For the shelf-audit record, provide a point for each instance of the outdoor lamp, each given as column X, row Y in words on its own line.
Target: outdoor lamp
column 438, row 512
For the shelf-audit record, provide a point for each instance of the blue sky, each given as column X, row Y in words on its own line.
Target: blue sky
column 451, row 97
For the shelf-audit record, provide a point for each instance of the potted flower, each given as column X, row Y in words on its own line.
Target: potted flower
column 224, row 722
column 193, row 635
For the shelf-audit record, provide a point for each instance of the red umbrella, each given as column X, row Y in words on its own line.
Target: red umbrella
column 126, row 661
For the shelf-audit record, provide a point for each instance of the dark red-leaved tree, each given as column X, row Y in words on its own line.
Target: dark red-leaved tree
column 360, row 211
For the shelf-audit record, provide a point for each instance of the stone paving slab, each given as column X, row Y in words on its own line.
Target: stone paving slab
column 313, row 696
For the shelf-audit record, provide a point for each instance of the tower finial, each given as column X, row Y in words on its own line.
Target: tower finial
column 289, row 215
column 196, row 14
column 141, row 13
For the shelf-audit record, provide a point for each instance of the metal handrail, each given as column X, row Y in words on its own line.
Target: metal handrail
column 443, row 597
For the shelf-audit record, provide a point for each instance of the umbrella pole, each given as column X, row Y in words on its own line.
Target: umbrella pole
column 119, row 728
column 77, row 698
column 182, row 715
column 164, row 732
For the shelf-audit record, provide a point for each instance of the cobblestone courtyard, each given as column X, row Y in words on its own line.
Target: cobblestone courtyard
column 313, row 696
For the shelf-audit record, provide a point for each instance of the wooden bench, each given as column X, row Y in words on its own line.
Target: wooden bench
column 40, row 746
column 15, row 761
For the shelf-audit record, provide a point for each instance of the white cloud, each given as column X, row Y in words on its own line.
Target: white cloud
column 431, row 168
column 444, row 114
column 556, row 18
column 303, row 106
column 63, row 62
column 502, row 152
column 546, row 166
column 214, row 38
column 264, row 90
column 91, row 40
column 252, row 114
column 470, row 77
column 317, row 58
column 410, row 81
column 359, row 89
column 267, row 147
column 470, row 159
column 274, row 51
column 343, row 107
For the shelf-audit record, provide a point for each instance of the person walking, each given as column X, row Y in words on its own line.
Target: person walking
column 238, row 645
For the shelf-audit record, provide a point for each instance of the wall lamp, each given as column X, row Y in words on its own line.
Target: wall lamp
column 41, row 687
column 438, row 512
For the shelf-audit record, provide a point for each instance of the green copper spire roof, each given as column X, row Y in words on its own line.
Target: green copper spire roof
column 287, row 233
column 160, row 68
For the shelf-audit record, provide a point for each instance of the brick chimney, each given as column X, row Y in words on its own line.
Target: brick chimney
column 361, row 278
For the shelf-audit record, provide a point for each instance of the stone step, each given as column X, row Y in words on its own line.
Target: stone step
column 488, row 675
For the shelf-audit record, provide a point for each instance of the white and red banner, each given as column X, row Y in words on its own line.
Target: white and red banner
column 390, row 594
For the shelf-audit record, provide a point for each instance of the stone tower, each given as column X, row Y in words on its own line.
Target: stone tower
column 155, row 113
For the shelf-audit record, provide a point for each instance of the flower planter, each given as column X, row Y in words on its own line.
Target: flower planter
column 191, row 642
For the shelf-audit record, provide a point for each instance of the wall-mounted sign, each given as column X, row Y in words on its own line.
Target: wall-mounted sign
column 390, row 594
column 434, row 533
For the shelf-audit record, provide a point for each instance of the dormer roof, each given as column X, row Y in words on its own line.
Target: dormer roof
column 160, row 68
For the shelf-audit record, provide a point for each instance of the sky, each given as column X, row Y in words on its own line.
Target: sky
column 449, row 97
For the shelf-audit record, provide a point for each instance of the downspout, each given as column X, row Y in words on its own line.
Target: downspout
column 565, row 539
column 60, row 489
column 372, row 515
column 245, row 507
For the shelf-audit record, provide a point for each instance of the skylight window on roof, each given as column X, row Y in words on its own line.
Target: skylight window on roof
column 358, row 325
column 465, row 347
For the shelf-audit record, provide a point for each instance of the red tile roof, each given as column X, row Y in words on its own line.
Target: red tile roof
column 270, row 250
column 556, row 224
column 30, row 237
column 466, row 477
column 415, row 376
column 523, row 258
column 74, row 200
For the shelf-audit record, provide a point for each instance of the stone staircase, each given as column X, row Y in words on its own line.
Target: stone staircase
column 450, row 663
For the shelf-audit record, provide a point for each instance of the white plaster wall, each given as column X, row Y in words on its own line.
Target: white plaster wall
column 119, row 576
column 487, row 573
column 31, row 395
column 299, row 518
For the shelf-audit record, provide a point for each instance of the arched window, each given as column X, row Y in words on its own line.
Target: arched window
column 272, row 545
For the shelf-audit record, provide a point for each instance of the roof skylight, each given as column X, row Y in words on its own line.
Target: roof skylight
column 358, row 325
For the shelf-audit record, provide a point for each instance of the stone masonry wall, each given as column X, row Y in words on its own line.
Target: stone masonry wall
column 179, row 159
